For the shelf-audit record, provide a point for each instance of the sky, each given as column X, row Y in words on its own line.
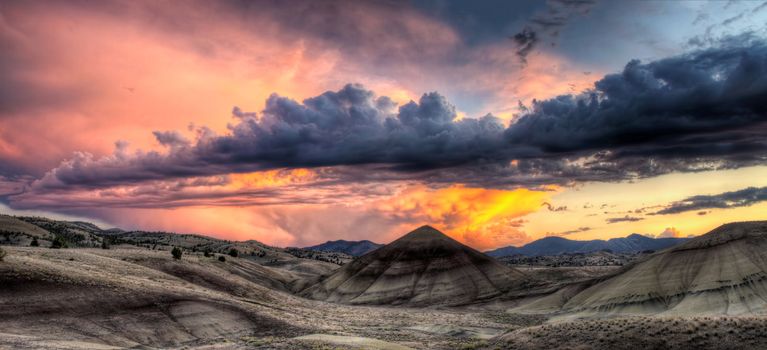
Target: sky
column 298, row 122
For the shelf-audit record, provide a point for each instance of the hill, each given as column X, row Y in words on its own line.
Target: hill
column 721, row 272
column 558, row 245
column 20, row 230
column 424, row 267
column 131, row 297
column 353, row 248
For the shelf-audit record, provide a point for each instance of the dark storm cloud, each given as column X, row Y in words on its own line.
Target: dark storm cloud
column 694, row 112
column 741, row 198
column 348, row 127
column 708, row 103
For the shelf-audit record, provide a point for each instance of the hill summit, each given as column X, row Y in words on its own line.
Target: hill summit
column 423, row 267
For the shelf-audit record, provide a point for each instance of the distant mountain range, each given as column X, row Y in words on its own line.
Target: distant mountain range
column 353, row 248
column 559, row 245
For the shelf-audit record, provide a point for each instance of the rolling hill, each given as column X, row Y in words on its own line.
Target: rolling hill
column 307, row 265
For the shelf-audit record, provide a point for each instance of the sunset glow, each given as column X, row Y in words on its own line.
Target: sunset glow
column 363, row 120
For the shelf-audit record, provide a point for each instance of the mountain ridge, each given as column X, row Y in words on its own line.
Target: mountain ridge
column 353, row 248
column 555, row 245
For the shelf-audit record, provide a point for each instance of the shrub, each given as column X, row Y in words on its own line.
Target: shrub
column 34, row 242
column 222, row 258
column 59, row 242
column 207, row 253
column 176, row 253
column 2, row 254
column 233, row 253
column 104, row 243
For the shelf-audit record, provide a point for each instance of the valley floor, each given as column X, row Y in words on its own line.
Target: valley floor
column 138, row 298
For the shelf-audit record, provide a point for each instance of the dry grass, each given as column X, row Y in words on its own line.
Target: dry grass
column 642, row 333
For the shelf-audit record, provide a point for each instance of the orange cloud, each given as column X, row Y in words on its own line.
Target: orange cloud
column 482, row 218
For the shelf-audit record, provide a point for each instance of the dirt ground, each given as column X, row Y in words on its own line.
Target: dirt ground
column 136, row 298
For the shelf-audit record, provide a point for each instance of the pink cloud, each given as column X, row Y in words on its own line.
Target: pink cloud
column 84, row 78
column 87, row 77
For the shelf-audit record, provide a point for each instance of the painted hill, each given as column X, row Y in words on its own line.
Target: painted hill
column 424, row 267
column 353, row 248
column 559, row 245
column 721, row 272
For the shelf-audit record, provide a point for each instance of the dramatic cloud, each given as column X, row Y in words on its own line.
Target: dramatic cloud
column 179, row 64
column 276, row 167
column 699, row 111
column 698, row 105
column 348, row 127
column 741, row 198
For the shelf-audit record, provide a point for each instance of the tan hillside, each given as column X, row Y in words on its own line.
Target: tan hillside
column 75, row 233
column 129, row 297
column 253, row 250
column 17, row 232
column 424, row 267
column 132, row 297
column 722, row 272
column 20, row 230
